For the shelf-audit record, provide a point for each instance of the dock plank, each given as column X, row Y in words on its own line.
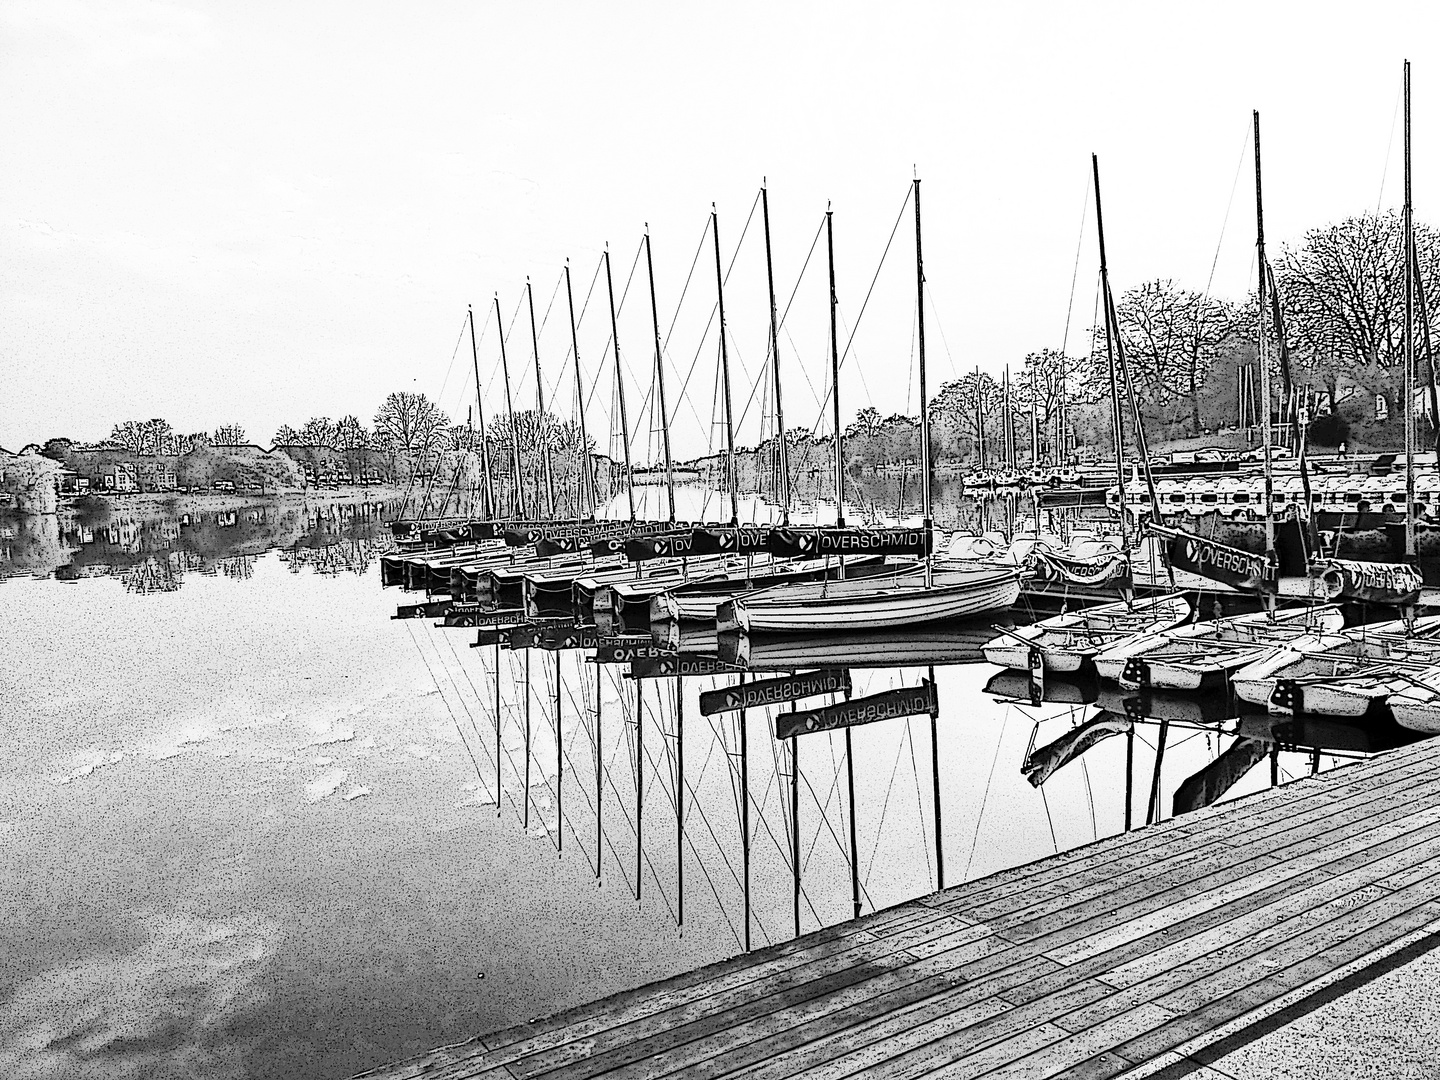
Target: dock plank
column 1092, row 963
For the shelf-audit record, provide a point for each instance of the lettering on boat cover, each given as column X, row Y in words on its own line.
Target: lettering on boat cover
column 666, row 545
column 625, row 651
column 891, row 705
column 775, row 691
column 1105, row 570
column 1374, row 582
column 1243, row 569
column 816, row 543
column 721, row 540
column 661, row 667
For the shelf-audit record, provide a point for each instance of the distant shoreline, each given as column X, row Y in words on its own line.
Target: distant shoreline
column 200, row 502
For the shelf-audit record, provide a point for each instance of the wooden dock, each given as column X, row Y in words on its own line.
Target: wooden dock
column 1116, row 959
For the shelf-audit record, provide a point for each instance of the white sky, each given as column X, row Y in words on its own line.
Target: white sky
column 261, row 212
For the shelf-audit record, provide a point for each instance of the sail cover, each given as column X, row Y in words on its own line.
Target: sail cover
column 1104, row 570
column 1372, row 582
column 1243, row 569
column 817, row 543
column 1045, row 761
column 662, row 546
column 729, row 540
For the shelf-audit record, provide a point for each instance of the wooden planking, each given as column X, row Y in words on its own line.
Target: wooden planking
column 1091, row 963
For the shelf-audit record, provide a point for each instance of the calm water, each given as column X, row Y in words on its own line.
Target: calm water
column 251, row 830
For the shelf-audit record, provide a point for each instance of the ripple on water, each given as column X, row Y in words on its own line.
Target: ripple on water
column 325, row 785
column 164, row 1008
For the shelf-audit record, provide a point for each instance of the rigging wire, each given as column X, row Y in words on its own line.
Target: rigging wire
column 919, row 799
column 880, row 826
column 1075, row 273
column 985, row 796
column 1240, row 164
column 1389, row 148
column 879, row 266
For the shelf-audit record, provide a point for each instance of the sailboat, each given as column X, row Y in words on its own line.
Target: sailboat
column 1065, row 642
column 1203, row 654
column 1416, row 706
column 1354, row 677
column 914, row 593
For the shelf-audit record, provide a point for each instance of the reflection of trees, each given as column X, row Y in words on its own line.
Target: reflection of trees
column 153, row 575
column 152, row 554
column 239, row 568
column 341, row 557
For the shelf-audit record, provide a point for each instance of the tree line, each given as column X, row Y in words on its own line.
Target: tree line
column 1190, row 358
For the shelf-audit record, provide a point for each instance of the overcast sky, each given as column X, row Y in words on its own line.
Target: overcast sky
column 262, row 212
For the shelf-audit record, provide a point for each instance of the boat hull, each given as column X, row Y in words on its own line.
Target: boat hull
column 862, row 605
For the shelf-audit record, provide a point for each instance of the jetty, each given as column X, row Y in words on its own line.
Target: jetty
column 1117, row 959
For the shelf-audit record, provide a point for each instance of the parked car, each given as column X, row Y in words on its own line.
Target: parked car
column 1277, row 453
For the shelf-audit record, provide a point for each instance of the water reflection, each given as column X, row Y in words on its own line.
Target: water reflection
column 870, row 814
column 152, row 551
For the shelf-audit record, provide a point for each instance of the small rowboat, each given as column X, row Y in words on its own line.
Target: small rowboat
column 877, row 602
column 1202, row 655
column 1354, row 677
column 1066, row 642
column 698, row 602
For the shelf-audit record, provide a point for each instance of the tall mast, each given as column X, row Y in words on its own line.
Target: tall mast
column 510, row 411
column 1110, row 351
column 660, row 383
column 1410, row 268
column 1262, row 356
column 489, row 489
column 782, row 448
column 620, row 389
column 730, row 478
column 1009, row 432
column 1034, row 424
column 540, row 426
column 587, row 479
column 835, row 376
column 979, row 419
column 924, row 401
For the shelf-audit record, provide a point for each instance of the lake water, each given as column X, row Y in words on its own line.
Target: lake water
column 250, row 823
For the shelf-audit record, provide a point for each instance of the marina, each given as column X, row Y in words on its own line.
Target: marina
column 994, row 640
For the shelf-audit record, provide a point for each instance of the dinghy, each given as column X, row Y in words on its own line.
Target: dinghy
column 900, row 598
column 1202, row 655
column 1352, row 678
column 1066, row 642
column 698, row 602
column 1416, row 707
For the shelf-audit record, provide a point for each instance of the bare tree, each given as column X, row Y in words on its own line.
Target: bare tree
column 229, row 435
column 1171, row 337
column 350, row 434
column 1342, row 295
column 318, row 431
column 953, row 411
column 130, row 434
column 412, row 422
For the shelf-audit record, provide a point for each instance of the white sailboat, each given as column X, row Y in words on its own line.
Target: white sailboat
column 1417, row 705
column 915, row 593
column 1350, row 678
column 1203, row 654
column 1066, row 642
